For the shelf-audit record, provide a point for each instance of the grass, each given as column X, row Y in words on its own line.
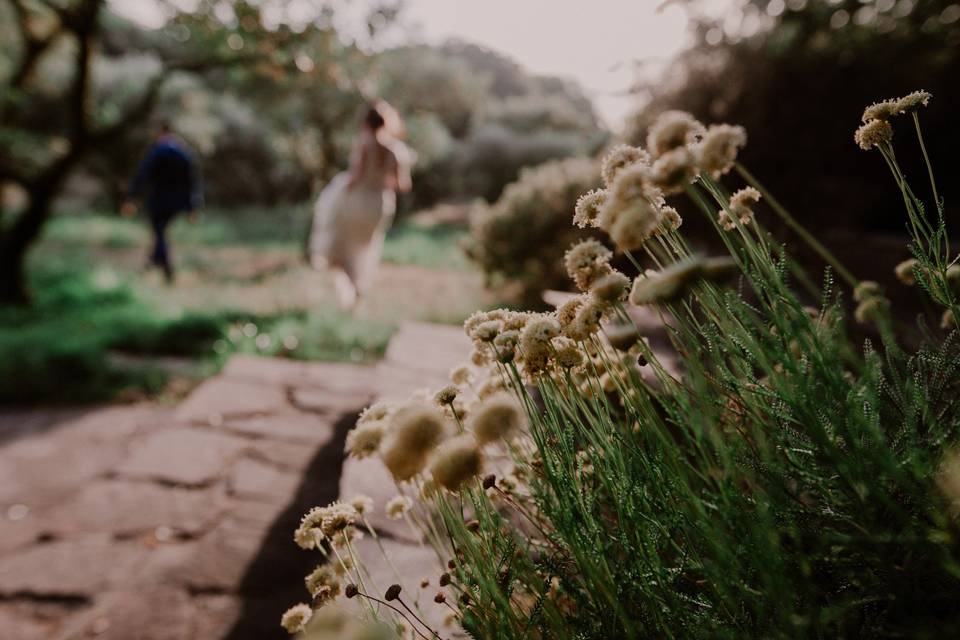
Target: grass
column 100, row 329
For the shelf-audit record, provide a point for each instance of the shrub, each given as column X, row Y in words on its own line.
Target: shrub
column 519, row 241
column 767, row 477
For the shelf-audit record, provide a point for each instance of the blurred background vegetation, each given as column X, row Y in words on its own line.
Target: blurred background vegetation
column 270, row 107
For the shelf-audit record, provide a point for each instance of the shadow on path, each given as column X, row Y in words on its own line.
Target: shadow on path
column 274, row 580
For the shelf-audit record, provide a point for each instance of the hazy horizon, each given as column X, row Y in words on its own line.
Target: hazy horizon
column 594, row 45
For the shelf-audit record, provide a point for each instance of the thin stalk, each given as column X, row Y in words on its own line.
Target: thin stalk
column 926, row 158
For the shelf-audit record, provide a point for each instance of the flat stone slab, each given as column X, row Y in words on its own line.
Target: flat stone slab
column 336, row 377
column 430, row 349
column 296, row 426
column 31, row 620
column 222, row 397
column 152, row 613
column 183, row 456
column 70, row 568
column 45, row 469
column 330, row 403
column 289, row 456
column 253, row 480
column 219, row 561
column 124, row 508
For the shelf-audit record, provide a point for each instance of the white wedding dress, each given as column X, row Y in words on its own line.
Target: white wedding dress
column 350, row 222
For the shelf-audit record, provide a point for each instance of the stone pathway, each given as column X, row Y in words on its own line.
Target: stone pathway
column 149, row 523
column 146, row 523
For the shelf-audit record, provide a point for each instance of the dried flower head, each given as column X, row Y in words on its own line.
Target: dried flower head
column 336, row 517
column 362, row 504
column 457, row 460
column 461, row 374
column 588, row 208
column 906, row 271
column 537, row 334
column 587, row 321
column 296, row 618
column 364, row 439
column 670, row 220
column 883, row 110
column 870, row 308
column 567, row 311
column 740, row 208
column 397, row 506
column 487, row 331
column 673, row 129
column 611, row 288
column 948, row 320
column 667, row 285
column 913, row 101
column 619, row 157
column 586, row 262
column 322, row 584
column 634, row 226
column 490, row 386
column 953, row 273
column 376, row 411
column 505, row 346
column 718, row 150
column 866, row 289
column 873, row 133
column 447, row 395
column 673, row 170
column 498, row 417
column 480, row 357
column 566, row 352
column 416, row 430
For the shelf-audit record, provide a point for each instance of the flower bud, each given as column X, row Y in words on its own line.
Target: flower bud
column 393, row 592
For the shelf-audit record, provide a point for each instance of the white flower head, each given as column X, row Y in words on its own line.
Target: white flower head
column 673, row 129
column 296, row 618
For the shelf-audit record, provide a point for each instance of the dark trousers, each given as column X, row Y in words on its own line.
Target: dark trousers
column 159, row 221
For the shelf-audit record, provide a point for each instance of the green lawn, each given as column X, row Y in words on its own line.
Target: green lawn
column 101, row 328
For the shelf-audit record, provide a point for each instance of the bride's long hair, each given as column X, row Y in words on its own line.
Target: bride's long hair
column 380, row 114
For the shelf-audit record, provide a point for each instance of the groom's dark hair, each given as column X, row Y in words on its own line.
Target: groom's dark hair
column 374, row 118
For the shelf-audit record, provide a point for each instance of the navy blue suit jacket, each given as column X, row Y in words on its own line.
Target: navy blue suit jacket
column 169, row 177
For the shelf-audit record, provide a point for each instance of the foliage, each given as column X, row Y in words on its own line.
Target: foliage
column 761, row 472
column 752, row 57
column 519, row 241
column 100, row 333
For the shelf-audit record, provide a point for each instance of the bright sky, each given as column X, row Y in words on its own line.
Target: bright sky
column 592, row 41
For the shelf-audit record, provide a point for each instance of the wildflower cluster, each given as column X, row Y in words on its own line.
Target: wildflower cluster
column 745, row 469
column 631, row 206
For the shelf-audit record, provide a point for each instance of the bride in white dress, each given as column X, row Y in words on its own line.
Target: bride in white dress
column 355, row 209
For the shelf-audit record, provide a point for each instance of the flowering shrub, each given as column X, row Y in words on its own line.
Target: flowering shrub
column 519, row 241
column 782, row 481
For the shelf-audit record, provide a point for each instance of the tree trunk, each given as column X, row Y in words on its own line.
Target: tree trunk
column 19, row 236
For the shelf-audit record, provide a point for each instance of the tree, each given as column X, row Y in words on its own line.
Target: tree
column 46, row 132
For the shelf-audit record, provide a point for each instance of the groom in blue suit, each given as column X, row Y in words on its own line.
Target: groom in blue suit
column 170, row 179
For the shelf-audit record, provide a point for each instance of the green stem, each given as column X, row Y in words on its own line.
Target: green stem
column 926, row 158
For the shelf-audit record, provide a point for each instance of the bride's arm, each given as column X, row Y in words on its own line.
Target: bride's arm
column 403, row 183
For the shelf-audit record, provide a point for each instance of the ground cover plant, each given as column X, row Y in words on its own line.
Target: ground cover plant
column 773, row 470
column 100, row 329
